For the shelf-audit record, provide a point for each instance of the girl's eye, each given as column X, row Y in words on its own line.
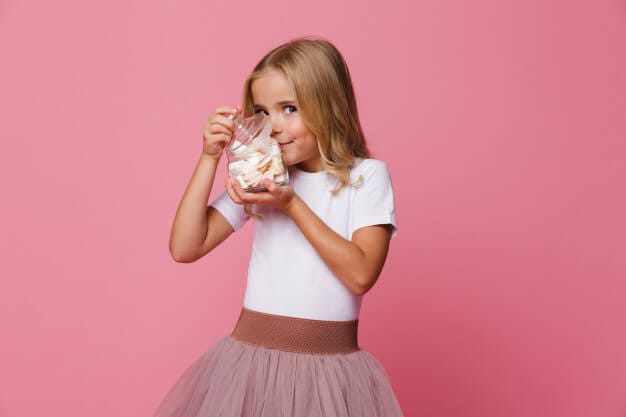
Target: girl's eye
column 261, row 111
column 290, row 109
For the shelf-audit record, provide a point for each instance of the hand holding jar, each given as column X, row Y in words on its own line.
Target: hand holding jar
column 218, row 131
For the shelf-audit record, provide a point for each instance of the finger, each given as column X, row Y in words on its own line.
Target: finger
column 245, row 197
column 227, row 110
column 217, row 128
column 223, row 121
column 222, row 139
column 241, row 194
column 216, row 139
column 251, row 197
column 261, row 197
column 271, row 186
column 231, row 192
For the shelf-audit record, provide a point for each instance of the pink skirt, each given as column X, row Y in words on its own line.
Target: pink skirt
column 277, row 366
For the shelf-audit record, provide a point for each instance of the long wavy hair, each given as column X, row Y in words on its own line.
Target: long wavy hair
column 321, row 82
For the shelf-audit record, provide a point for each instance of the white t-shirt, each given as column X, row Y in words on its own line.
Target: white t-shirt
column 286, row 276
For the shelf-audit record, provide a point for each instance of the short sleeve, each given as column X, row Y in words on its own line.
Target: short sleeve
column 234, row 213
column 373, row 201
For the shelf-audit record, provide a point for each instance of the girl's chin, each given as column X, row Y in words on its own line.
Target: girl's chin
column 287, row 158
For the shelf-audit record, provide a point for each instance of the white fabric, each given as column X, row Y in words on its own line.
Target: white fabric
column 286, row 276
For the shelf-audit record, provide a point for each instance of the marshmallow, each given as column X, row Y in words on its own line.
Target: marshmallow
column 259, row 160
column 238, row 148
column 237, row 167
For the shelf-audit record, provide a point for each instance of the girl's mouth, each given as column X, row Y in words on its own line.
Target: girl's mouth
column 282, row 145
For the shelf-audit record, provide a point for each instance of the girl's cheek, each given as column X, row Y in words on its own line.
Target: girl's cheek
column 293, row 125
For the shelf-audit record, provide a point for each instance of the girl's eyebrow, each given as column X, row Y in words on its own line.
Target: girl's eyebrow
column 281, row 103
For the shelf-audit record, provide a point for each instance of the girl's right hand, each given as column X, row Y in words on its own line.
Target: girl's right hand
column 218, row 131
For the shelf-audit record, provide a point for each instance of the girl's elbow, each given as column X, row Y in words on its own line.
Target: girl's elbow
column 363, row 284
column 180, row 256
column 360, row 290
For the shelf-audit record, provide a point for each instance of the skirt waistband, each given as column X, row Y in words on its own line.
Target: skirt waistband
column 295, row 334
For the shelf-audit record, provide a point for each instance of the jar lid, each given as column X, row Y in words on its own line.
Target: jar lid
column 247, row 128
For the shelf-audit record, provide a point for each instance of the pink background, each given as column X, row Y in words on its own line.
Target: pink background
column 504, row 125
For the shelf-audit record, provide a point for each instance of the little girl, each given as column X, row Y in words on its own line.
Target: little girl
column 320, row 243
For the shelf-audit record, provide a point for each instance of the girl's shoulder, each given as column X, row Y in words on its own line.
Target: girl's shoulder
column 367, row 167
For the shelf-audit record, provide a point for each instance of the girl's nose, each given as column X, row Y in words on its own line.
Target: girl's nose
column 276, row 125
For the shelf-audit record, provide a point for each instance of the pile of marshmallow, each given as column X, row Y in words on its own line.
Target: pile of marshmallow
column 255, row 162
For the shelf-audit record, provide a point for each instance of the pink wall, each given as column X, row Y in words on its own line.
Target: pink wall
column 504, row 126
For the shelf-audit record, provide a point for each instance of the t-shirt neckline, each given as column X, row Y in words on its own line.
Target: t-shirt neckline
column 296, row 172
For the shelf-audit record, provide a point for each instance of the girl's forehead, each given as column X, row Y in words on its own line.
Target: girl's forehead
column 270, row 87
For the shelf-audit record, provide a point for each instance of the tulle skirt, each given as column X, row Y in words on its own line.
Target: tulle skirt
column 278, row 366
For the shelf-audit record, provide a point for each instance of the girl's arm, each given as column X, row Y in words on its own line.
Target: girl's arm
column 197, row 229
column 357, row 262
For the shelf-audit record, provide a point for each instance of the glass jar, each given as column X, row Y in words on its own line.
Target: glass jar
column 253, row 155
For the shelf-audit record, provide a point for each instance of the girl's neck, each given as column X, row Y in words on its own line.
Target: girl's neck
column 310, row 166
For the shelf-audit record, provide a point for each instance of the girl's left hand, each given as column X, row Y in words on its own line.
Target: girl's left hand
column 279, row 196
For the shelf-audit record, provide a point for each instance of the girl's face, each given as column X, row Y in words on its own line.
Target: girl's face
column 272, row 95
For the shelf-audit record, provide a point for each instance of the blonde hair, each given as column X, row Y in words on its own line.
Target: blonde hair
column 321, row 82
